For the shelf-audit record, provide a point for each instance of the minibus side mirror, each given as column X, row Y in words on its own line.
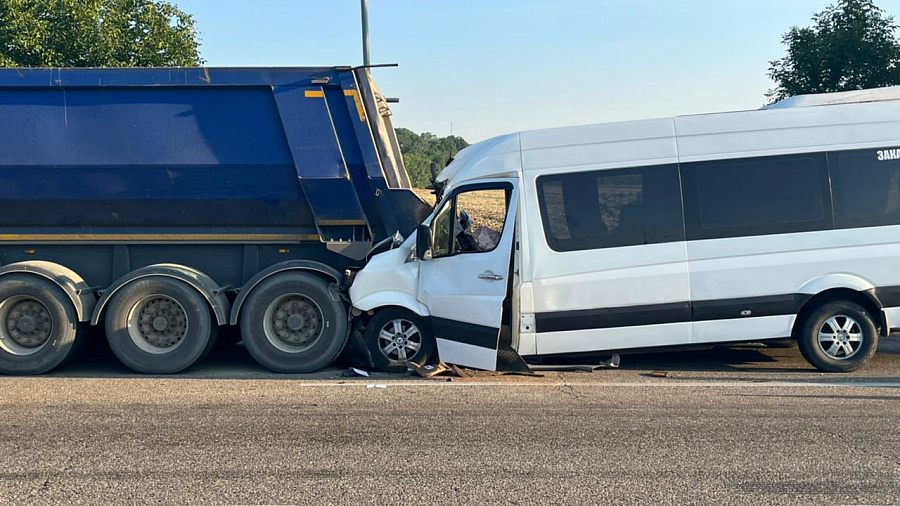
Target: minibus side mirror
column 423, row 242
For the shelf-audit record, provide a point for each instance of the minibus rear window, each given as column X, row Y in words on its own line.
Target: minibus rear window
column 611, row 208
column 866, row 189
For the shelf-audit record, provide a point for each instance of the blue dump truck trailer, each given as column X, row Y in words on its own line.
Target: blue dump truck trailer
column 164, row 204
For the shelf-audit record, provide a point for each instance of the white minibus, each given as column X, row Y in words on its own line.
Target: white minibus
column 781, row 223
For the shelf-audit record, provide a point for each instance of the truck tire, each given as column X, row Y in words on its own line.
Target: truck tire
column 159, row 325
column 839, row 336
column 39, row 327
column 398, row 338
column 291, row 323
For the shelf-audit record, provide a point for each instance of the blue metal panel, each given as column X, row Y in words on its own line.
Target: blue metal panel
column 127, row 77
column 333, row 200
column 363, row 160
column 363, row 133
column 310, row 133
column 186, row 151
column 89, row 159
column 344, row 114
column 152, row 196
column 141, row 126
column 317, row 155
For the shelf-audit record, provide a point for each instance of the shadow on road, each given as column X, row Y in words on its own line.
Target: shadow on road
column 232, row 361
column 716, row 359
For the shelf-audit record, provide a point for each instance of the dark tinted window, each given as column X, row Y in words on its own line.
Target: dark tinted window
column 866, row 188
column 773, row 195
column 611, row 208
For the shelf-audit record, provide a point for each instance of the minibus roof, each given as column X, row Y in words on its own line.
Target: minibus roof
column 844, row 97
column 855, row 119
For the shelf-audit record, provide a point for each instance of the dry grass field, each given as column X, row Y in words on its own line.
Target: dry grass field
column 424, row 194
column 487, row 208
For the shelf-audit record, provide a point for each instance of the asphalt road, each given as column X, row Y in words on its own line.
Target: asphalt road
column 745, row 425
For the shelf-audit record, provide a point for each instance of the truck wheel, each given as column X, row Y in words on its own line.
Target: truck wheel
column 291, row 323
column 839, row 336
column 398, row 338
column 158, row 325
column 38, row 325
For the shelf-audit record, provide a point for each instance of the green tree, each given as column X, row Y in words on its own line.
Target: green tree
column 419, row 150
column 96, row 33
column 419, row 169
column 852, row 45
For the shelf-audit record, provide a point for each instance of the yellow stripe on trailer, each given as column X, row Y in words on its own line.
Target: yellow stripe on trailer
column 359, row 105
column 315, row 94
column 341, row 223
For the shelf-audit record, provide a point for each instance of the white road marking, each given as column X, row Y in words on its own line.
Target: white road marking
column 667, row 384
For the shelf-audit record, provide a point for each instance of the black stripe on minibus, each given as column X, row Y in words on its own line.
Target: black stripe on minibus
column 679, row 312
column 466, row 333
column 605, row 318
column 749, row 307
column 888, row 296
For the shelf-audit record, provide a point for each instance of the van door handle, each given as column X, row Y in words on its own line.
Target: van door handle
column 490, row 276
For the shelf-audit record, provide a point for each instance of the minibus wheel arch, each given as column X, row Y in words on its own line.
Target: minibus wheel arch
column 386, row 300
column 865, row 299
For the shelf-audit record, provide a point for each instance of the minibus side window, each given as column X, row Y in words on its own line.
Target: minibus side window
column 480, row 218
column 866, row 188
column 611, row 208
column 757, row 196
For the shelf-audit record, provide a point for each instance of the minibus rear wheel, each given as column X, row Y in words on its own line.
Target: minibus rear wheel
column 397, row 338
column 838, row 336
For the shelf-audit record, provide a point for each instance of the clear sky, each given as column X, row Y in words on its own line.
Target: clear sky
column 495, row 66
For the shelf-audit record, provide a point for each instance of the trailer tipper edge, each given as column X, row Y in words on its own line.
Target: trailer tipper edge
column 165, row 203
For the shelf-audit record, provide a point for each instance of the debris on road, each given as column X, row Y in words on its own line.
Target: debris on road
column 612, row 363
column 431, row 370
column 529, row 373
column 443, row 369
column 449, row 371
column 353, row 372
column 462, row 372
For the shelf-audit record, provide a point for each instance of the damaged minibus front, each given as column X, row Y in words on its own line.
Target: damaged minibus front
column 449, row 284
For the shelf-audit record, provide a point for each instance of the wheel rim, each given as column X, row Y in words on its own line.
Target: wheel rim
column 840, row 337
column 157, row 324
column 399, row 340
column 27, row 325
column 293, row 323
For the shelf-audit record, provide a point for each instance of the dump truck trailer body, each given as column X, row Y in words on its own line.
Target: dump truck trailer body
column 163, row 203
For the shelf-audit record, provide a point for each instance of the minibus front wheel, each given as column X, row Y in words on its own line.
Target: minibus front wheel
column 398, row 338
column 838, row 336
